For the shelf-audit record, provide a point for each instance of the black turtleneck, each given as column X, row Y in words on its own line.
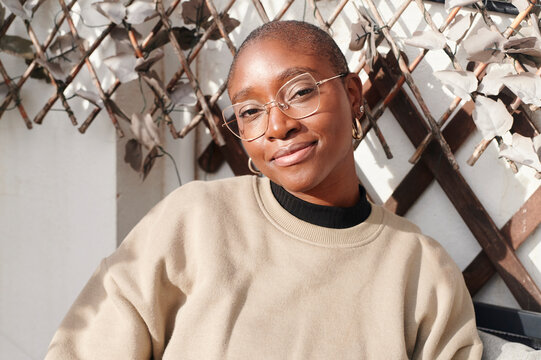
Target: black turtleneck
column 326, row 216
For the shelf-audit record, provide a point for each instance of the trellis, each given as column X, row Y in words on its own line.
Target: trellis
column 435, row 144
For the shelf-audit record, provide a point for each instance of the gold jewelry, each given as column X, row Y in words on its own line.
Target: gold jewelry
column 252, row 168
column 357, row 130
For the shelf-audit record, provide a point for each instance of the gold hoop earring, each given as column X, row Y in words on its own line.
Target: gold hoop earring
column 252, row 168
column 357, row 130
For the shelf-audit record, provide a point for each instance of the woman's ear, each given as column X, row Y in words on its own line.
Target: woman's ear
column 354, row 90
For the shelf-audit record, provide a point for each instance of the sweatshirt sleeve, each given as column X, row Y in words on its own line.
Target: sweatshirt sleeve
column 101, row 324
column 128, row 307
column 445, row 315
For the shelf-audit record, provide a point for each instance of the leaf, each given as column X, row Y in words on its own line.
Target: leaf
column 195, row 12
column 485, row 46
column 537, row 145
column 521, row 151
column 140, row 11
column 185, row 37
column 533, row 30
column 152, row 129
column 90, row 96
column 29, row 6
column 229, row 24
column 183, row 94
column 4, row 90
column 149, row 162
column 121, row 39
column 492, row 83
column 530, row 46
column 145, row 130
column 450, row 4
column 459, row 27
column 116, row 109
column 431, row 40
column 67, row 48
column 38, row 72
column 144, row 65
column 133, row 154
column 2, row 15
column 122, row 66
column 17, row 46
column 160, row 39
column 526, row 86
column 16, row 8
column 112, row 10
column 360, row 31
column 491, row 117
column 519, row 43
column 155, row 83
column 521, row 5
column 458, row 83
column 56, row 70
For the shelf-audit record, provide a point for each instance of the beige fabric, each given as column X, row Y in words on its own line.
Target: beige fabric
column 219, row 270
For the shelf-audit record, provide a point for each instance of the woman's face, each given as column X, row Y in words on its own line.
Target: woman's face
column 306, row 155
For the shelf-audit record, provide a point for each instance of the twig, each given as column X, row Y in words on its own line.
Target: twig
column 261, row 11
column 409, row 80
column 213, row 130
column 91, row 70
column 283, row 10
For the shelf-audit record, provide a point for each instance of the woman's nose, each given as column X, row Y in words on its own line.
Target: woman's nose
column 280, row 126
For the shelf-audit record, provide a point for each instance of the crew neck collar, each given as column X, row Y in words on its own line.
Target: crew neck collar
column 327, row 216
column 356, row 235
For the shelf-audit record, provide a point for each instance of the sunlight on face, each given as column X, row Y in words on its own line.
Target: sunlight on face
column 307, row 155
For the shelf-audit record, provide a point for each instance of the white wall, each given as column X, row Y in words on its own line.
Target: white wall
column 57, row 219
column 66, row 199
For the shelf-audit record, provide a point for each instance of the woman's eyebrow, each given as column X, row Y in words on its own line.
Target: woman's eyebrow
column 282, row 77
column 241, row 94
column 289, row 73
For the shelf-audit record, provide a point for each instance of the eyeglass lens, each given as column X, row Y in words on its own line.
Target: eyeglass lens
column 297, row 98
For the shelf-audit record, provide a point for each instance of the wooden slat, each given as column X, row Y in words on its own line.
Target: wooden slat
column 419, row 177
column 517, row 229
column 515, row 232
column 468, row 206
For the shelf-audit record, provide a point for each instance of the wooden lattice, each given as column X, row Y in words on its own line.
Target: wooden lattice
column 387, row 74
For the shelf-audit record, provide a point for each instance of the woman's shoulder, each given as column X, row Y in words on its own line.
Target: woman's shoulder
column 405, row 234
column 198, row 188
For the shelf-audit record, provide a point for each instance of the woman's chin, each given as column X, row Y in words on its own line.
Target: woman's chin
column 296, row 181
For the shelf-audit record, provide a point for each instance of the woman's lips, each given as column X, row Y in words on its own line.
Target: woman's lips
column 293, row 154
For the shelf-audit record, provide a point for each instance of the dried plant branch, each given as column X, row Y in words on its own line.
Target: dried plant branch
column 478, row 72
column 41, row 54
column 337, row 11
column 261, row 11
column 33, row 64
column 91, row 70
column 319, row 17
column 14, row 90
column 38, row 119
column 282, row 11
column 417, row 94
column 193, row 82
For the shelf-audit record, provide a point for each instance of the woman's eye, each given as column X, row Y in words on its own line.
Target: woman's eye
column 301, row 93
column 249, row 114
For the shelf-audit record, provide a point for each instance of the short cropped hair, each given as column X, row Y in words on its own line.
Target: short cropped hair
column 298, row 34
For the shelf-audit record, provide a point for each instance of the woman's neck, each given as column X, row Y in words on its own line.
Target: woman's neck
column 326, row 216
column 340, row 191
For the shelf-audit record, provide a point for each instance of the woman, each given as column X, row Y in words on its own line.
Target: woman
column 294, row 265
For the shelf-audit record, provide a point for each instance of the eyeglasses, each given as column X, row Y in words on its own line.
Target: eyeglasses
column 297, row 98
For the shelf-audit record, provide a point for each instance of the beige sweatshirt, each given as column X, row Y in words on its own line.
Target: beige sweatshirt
column 219, row 270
